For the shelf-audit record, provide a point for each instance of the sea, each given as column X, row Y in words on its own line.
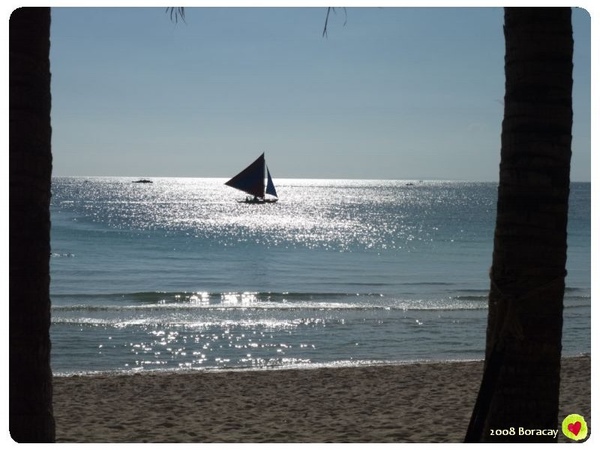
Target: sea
column 177, row 275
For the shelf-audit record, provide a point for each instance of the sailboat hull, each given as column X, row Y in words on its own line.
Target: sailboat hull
column 258, row 201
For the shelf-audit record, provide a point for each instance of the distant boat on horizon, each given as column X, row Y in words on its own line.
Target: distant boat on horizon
column 251, row 180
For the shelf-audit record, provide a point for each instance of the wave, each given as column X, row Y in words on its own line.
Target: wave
column 62, row 255
column 180, row 302
column 185, row 297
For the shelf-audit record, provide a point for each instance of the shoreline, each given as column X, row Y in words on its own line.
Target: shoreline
column 412, row 402
column 235, row 369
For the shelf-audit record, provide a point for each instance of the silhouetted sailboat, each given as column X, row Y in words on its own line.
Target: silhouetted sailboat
column 251, row 180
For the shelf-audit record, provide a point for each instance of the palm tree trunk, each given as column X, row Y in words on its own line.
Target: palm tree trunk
column 30, row 167
column 521, row 382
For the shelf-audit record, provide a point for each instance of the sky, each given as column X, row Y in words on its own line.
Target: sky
column 390, row 93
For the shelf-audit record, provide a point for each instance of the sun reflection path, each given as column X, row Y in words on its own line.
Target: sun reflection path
column 310, row 213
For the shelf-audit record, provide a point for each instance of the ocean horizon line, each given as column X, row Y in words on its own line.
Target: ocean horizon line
column 158, row 177
column 415, row 180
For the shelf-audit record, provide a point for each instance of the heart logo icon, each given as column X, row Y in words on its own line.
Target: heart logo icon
column 574, row 428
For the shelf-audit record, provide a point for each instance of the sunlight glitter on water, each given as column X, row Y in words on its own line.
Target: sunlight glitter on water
column 178, row 274
column 304, row 216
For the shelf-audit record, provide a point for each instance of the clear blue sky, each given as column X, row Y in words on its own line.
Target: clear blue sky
column 391, row 93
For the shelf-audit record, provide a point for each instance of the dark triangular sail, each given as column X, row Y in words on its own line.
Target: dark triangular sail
column 270, row 186
column 252, row 179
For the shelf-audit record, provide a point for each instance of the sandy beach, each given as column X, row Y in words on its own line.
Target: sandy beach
column 428, row 402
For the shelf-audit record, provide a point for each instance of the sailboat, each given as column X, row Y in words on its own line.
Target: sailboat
column 251, row 180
